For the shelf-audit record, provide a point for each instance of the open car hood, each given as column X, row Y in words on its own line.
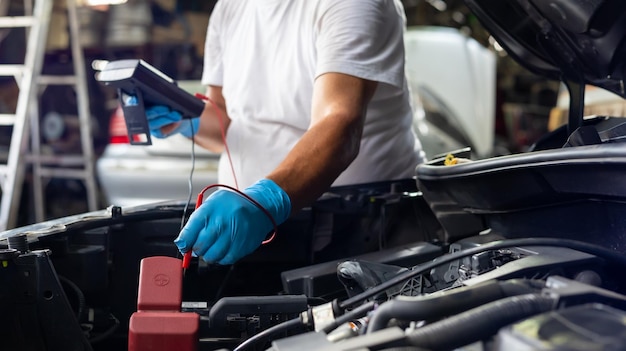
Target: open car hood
column 579, row 41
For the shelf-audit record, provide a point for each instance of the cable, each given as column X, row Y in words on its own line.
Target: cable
column 220, row 290
column 296, row 322
column 223, row 130
column 278, row 328
column 348, row 316
column 448, row 302
column 80, row 297
column 193, row 153
column 107, row 333
column 479, row 323
column 247, row 197
column 496, row 245
column 187, row 256
column 190, row 180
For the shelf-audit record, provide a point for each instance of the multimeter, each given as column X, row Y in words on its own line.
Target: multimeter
column 139, row 85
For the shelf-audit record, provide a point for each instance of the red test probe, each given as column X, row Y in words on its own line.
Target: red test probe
column 187, row 255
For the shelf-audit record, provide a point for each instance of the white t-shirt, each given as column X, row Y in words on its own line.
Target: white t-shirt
column 266, row 55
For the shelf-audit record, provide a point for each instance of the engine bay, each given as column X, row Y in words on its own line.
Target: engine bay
column 75, row 283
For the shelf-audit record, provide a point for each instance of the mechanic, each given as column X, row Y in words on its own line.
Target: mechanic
column 313, row 94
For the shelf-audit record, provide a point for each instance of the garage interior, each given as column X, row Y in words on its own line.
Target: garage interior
column 170, row 35
column 524, row 251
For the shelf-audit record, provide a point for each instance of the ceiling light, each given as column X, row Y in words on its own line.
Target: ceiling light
column 103, row 2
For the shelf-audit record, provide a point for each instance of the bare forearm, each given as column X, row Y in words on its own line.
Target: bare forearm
column 331, row 143
column 214, row 122
column 315, row 162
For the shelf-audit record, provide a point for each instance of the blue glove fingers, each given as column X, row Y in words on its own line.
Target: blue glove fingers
column 189, row 234
column 155, row 129
column 239, row 249
column 160, row 116
column 246, row 237
column 185, row 240
column 208, row 238
column 161, row 121
column 188, row 127
column 229, row 259
column 157, row 111
column 219, row 249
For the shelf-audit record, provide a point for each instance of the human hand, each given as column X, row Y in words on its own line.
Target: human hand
column 227, row 226
column 164, row 122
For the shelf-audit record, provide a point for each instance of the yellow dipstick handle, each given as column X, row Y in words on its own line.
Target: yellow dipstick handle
column 450, row 160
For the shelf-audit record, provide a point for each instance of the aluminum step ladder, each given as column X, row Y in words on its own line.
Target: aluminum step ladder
column 29, row 80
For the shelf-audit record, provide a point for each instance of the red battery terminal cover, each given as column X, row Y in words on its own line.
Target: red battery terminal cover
column 158, row 323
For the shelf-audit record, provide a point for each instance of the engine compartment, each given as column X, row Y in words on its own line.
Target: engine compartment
column 72, row 283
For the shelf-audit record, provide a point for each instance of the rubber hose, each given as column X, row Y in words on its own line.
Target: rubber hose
column 479, row 323
column 81, row 303
column 448, row 302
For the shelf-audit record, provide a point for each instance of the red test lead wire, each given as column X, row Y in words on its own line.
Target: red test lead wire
column 187, row 255
column 223, row 131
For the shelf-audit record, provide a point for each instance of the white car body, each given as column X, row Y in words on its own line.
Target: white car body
column 452, row 77
column 134, row 175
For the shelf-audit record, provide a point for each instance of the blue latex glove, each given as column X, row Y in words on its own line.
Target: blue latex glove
column 227, row 226
column 159, row 116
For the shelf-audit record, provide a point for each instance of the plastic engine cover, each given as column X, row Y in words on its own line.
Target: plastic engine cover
column 585, row 328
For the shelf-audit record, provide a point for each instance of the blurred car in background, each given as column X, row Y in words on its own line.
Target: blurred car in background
column 452, row 79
